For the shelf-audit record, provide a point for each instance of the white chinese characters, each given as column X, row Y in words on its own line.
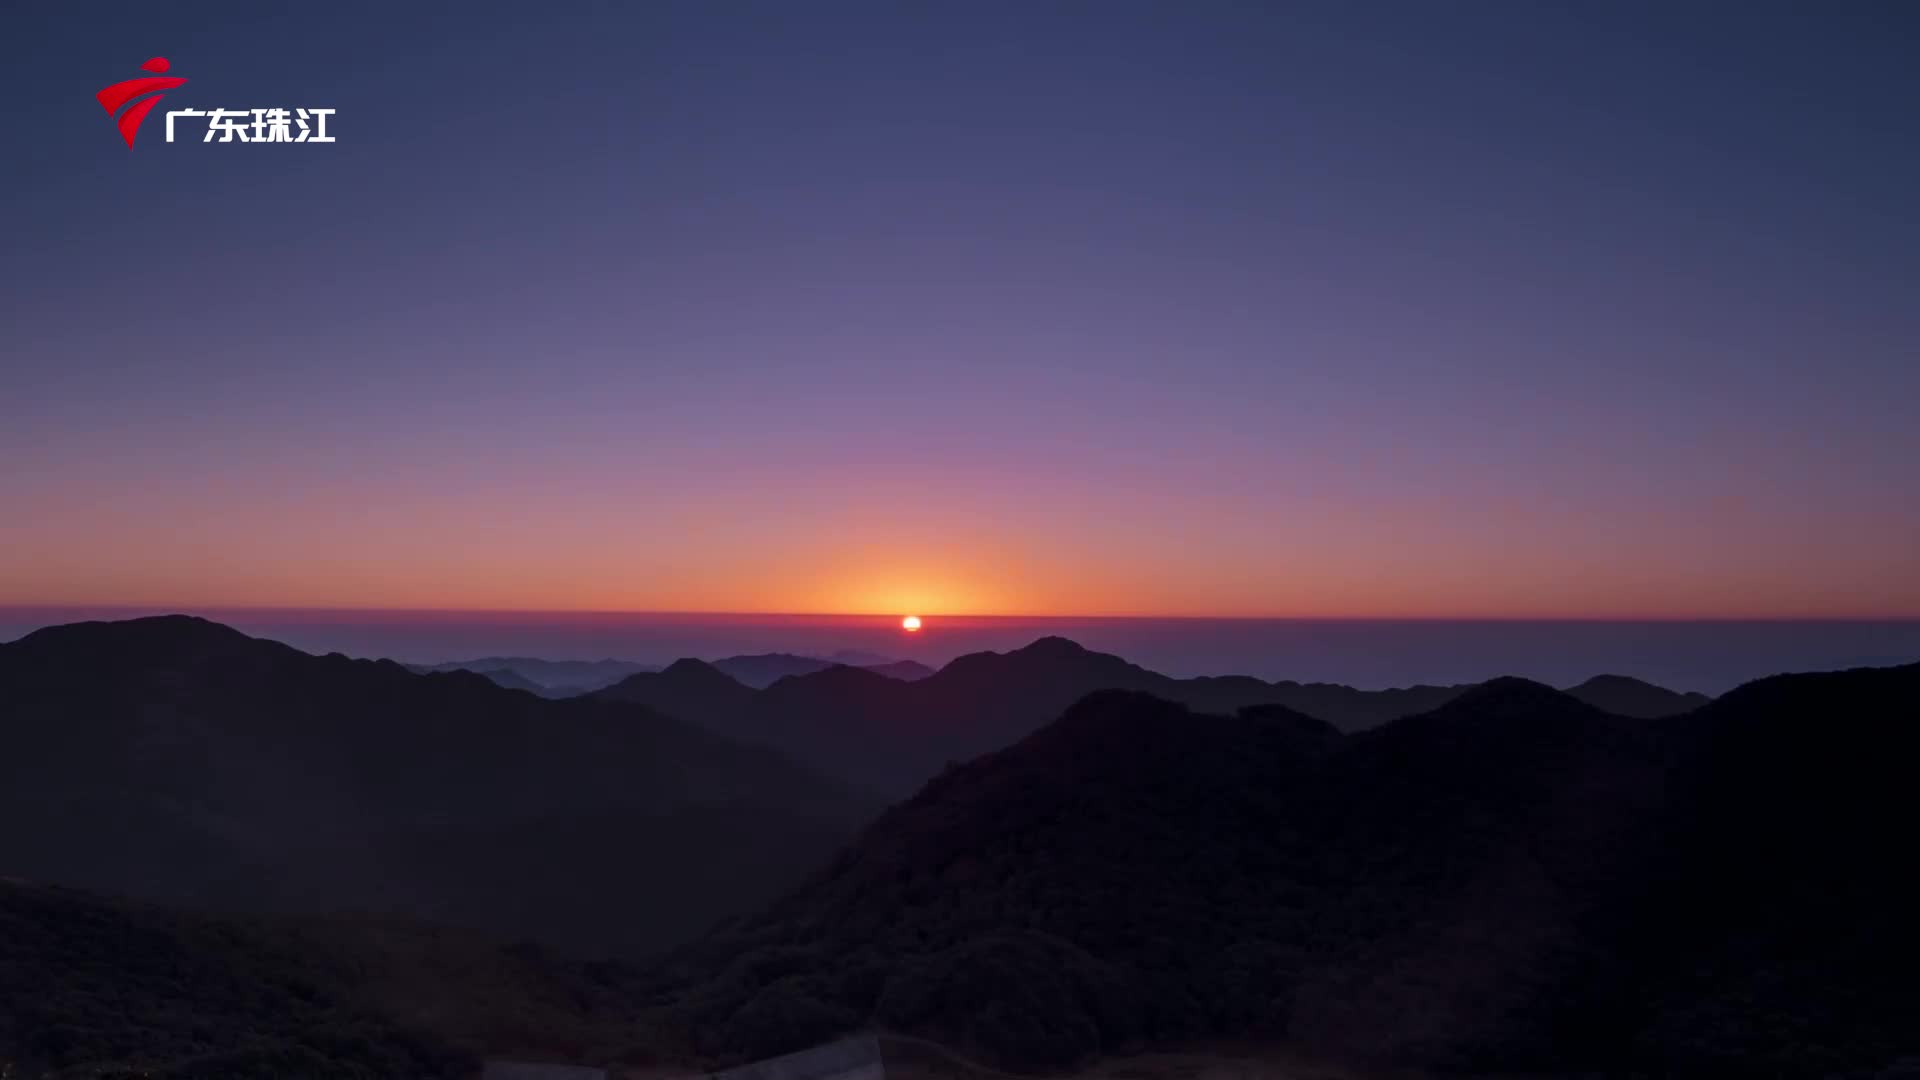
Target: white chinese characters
column 259, row 125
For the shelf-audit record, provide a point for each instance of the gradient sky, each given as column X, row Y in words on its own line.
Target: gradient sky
column 1355, row 309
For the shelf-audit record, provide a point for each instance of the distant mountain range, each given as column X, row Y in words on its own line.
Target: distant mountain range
column 570, row 678
column 889, row 735
column 177, row 759
column 1513, row 882
column 765, row 669
column 548, row 678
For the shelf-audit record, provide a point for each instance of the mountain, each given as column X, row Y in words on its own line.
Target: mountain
column 176, row 759
column 904, row 670
column 1471, row 864
column 98, row 987
column 551, row 678
column 888, row 736
column 1783, row 941
column 95, row 986
column 1623, row 695
column 688, row 689
column 1344, row 707
column 1515, row 882
column 764, row 669
column 513, row 680
column 860, row 658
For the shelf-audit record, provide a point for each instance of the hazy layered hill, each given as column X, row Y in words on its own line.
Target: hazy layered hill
column 1624, row 695
column 1513, row 881
column 549, row 678
column 904, row 670
column 174, row 758
column 689, row 689
column 762, row 670
column 513, row 680
column 890, row 736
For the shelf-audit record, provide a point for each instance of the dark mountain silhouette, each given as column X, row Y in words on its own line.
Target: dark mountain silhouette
column 764, row 669
column 1515, row 881
column 688, row 689
column 1512, row 881
column 97, row 987
column 1783, row 941
column 904, row 670
column 1468, row 862
column 104, row 987
column 177, row 759
column 1623, row 695
column 889, row 736
column 552, row 678
column 1344, row 707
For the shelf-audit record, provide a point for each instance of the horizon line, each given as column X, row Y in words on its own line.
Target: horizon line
column 614, row 613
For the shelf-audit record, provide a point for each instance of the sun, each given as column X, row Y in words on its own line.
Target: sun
column 910, row 624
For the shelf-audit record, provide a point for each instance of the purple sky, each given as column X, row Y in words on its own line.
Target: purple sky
column 1321, row 309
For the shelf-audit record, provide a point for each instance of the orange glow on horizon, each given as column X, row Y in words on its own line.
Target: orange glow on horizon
column 911, row 624
column 963, row 556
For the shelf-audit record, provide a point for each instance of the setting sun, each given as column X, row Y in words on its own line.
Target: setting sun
column 910, row 624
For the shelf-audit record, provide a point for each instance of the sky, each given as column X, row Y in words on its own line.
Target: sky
column 1302, row 310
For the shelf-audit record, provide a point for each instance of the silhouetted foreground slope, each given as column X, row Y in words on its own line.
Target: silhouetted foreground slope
column 99, row 987
column 890, row 736
column 123, row 990
column 1784, row 935
column 1515, row 881
column 177, row 759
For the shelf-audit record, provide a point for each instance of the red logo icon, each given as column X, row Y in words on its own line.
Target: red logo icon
column 113, row 97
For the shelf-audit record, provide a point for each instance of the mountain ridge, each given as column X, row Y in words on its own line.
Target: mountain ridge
column 888, row 739
column 548, row 678
column 1514, row 881
column 761, row 670
column 184, row 761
